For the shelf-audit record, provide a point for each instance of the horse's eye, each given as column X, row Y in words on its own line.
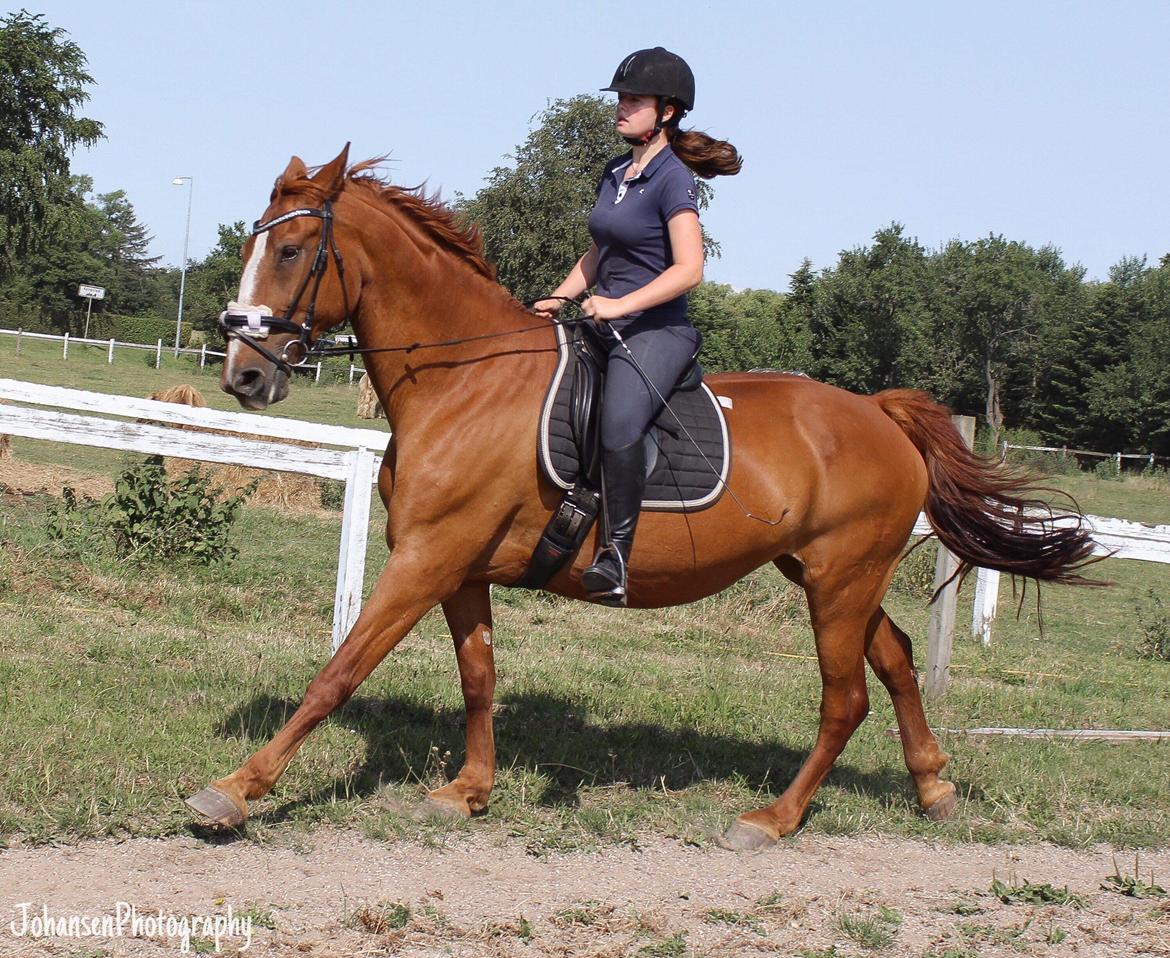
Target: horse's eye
column 288, row 253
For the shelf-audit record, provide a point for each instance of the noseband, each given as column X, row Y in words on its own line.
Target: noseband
column 250, row 324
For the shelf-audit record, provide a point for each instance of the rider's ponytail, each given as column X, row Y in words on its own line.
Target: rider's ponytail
column 705, row 155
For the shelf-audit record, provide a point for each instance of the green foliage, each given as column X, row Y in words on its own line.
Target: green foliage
column 915, row 574
column 1155, row 624
column 380, row 917
column 91, row 239
column 673, row 947
column 146, row 330
column 1133, row 886
column 748, row 329
column 152, row 518
column 214, row 281
column 876, row 931
column 1029, row 893
column 42, row 86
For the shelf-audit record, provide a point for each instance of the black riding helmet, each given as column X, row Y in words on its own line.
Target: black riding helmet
column 655, row 72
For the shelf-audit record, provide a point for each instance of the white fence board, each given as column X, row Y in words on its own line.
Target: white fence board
column 159, row 440
column 273, row 427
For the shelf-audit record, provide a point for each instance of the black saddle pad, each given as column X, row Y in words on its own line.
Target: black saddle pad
column 683, row 474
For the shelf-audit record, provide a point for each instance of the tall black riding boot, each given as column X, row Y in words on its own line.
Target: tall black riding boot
column 623, row 479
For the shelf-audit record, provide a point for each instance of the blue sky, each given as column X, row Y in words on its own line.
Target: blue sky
column 1044, row 121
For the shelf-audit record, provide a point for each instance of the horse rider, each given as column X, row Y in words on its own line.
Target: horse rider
column 646, row 254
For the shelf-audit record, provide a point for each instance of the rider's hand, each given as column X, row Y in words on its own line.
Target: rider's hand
column 603, row 309
column 548, row 308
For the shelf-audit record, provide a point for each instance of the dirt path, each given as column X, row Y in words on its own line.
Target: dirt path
column 340, row 894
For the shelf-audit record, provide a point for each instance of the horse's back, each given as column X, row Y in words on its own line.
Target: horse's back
column 830, row 450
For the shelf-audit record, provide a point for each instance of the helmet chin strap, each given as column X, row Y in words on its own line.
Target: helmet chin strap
column 647, row 137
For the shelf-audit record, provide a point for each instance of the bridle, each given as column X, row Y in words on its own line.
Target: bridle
column 249, row 324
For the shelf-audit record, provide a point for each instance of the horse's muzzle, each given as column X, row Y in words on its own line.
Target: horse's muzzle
column 255, row 388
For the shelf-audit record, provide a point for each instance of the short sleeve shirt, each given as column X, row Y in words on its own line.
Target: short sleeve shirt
column 628, row 224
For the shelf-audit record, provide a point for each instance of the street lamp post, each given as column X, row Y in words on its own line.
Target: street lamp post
column 178, row 181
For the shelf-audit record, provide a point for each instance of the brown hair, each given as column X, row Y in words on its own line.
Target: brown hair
column 705, row 155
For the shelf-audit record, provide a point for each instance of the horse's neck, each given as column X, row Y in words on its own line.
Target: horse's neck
column 428, row 296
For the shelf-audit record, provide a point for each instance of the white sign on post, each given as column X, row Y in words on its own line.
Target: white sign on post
column 91, row 292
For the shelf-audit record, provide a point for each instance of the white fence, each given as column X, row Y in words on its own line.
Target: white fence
column 1064, row 452
column 355, row 463
column 1118, row 538
column 109, row 345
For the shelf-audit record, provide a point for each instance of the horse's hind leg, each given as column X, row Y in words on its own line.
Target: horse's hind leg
column 890, row 657
column 469, row 616
column 842, row 615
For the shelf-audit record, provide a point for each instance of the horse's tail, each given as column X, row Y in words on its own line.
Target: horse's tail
column 982, row 511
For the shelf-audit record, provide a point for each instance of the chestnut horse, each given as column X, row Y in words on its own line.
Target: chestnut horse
column 840, row 477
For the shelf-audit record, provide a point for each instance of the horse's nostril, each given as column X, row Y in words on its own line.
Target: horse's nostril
column 248, row 381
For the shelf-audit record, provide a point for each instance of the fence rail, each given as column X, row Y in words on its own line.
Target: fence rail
column 33, row 411
column 67, row 339
column 1065, row 451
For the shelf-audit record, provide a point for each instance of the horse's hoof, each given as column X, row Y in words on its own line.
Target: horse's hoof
column 432, row 810
column 742, row 837
column 941, row 810
column 215, row 806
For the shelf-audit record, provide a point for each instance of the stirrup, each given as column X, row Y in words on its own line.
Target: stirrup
column 614, row 598
column 613, row 591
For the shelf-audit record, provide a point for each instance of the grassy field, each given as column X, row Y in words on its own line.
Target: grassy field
column 124, row 688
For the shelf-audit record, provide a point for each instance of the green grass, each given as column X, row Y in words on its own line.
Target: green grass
column 124, row 689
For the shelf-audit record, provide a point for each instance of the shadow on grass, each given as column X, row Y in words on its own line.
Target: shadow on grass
column 554, row 737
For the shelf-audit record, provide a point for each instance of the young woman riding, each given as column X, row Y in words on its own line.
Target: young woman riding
column 647, row 253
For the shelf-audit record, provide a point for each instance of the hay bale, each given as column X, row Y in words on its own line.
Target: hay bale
column 282, row 489
column 368, row 406
column 181, row 394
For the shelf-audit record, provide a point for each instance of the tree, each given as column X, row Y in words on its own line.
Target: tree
column 992, row 284
column 42, row 86
column 215, row 280
column 533, row 214
column 862, row 312
column 97, row 241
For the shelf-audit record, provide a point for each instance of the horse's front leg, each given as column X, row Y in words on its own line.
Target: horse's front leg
column 469, row 616
column 407, row 588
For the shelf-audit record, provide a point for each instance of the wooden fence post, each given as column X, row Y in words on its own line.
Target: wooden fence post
column 65, row 348
column 203, row 356
column 158, row 355
column 110, row 354
column 941, row 634
column 19, row 335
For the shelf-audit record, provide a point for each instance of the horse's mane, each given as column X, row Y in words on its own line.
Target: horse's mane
column 436, row 219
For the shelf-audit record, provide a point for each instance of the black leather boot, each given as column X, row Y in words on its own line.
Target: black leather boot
column 623, row 479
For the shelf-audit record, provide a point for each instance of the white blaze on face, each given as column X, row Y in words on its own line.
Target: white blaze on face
column 245, row 295
column 251, row 270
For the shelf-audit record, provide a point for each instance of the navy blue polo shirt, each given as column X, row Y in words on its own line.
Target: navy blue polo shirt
column 628, row 224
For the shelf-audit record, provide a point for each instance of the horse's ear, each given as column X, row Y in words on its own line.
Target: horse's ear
column 331, row 177
column 295, row 170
